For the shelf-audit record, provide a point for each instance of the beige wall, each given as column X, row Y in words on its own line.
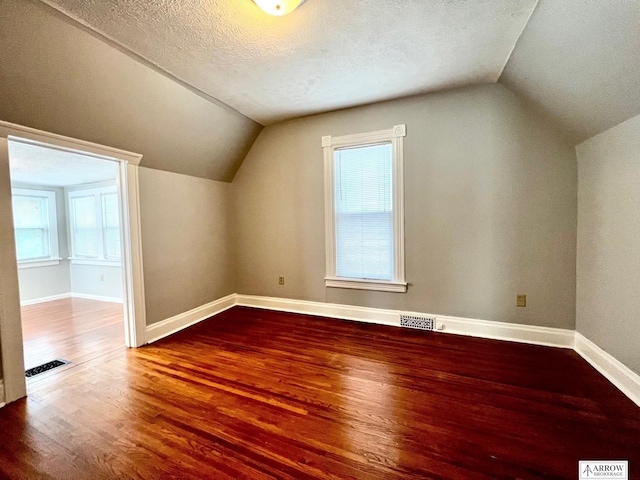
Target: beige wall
column 186, row 242
column 490, row 209
column 608, row 263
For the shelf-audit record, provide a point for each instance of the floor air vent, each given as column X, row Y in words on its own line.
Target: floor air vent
column 45, row 367
column 421, row 323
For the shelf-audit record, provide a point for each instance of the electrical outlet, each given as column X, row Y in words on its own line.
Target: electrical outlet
column 521, row 300
column 281, row 280
column 102, row 277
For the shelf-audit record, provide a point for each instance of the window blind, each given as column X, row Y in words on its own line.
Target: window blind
column 363, row 212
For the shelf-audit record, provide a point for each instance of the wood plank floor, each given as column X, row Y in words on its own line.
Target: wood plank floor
column 73, row 329
column 258, row 394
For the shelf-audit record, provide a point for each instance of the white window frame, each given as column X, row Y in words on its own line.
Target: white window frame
column 330, row 144
column 54, row 253
column 97, row 191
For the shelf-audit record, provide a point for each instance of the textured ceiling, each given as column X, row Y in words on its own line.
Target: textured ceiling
column 328, row 54
column 580, row 62
column 37, row 165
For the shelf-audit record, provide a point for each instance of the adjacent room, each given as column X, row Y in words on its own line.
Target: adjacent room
column 67, row 227
column 363, row 240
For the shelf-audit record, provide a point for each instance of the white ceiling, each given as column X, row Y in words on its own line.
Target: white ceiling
column 580, row 62
column 36, row 165
column 327, row 55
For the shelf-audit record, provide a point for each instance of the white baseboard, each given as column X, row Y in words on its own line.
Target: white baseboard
column 50, row 298
column 346, row 312
column 164, row 328
column 621, row 376
column 555, row 337
column 99, row 298
column 627, row 381
column 512, row 332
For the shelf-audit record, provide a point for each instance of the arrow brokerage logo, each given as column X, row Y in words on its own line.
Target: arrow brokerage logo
column 593, row 469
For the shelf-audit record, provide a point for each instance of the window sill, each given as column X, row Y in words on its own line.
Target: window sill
column 95, row 261
column 47, row 262
column 361, row 284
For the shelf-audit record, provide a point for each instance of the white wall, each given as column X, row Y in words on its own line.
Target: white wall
column 608, row 254
column 97, row 280
column 42, row 282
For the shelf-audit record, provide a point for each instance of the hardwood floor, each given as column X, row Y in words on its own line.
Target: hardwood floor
column 73, row 329
column 258, row 394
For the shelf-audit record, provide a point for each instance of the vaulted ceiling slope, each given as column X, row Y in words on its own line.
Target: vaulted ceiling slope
column 176, row 80
column 327, row 55
column 580, row 62
column 60, row 78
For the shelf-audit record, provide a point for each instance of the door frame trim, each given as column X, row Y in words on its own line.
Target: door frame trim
column 133, row 278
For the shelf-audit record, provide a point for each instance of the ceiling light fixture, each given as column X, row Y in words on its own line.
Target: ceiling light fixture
column 278, row 7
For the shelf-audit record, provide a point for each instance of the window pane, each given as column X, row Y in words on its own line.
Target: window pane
column 111, row 221
column 363, row 207
column 31, row 221
column 85, row 226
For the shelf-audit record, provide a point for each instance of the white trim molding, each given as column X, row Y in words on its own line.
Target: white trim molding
column 174, row 324
column 92, row 261
column 395, row 137
column 33, row 136
column 11, row 346
column 52, row 262
column 52, row 298
column 2, row 395
column 511, row 332
column 99, row 298
column 133, row 276
column 626, row 380
column 321, row 309
column 547, row 336
column 618, row 374
column 363, row 284
column 49, row 298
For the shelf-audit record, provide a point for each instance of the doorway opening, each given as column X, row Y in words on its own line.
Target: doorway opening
column 66, row 214
column 78, row 283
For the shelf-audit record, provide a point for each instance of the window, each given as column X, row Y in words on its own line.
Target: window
column 94, row 224
column 111, row 224
column 36, row 227
column 364, row 210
